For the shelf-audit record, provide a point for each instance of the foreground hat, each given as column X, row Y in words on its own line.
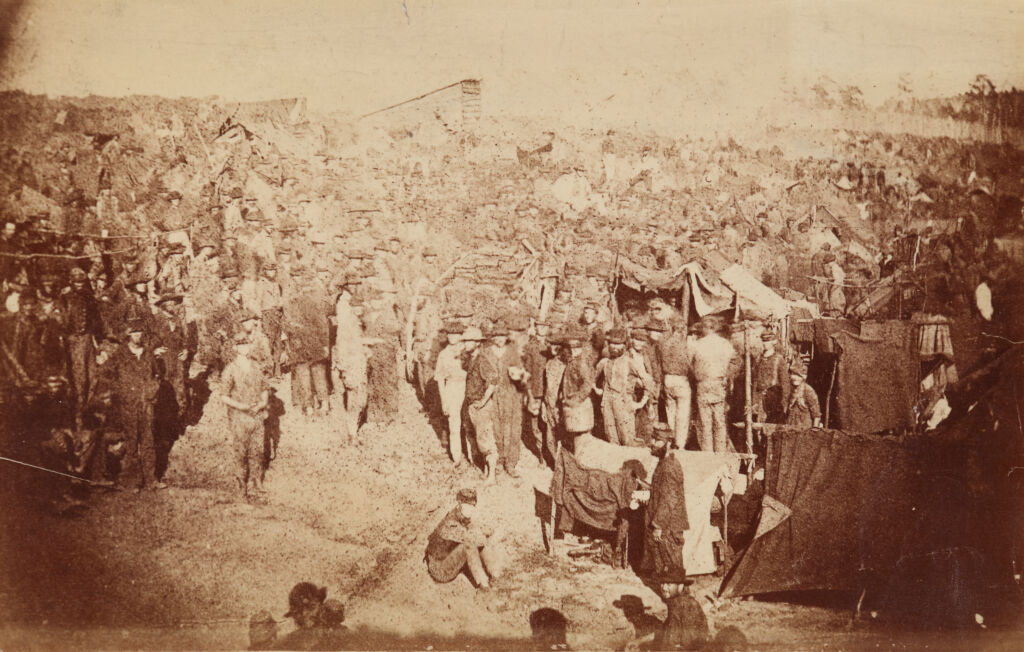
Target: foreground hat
column 303, row 596
column 472, row 334
column 467, row 496
column 333, row 613
column 167, row 298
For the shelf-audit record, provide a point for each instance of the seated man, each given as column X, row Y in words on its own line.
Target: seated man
column 458, row 543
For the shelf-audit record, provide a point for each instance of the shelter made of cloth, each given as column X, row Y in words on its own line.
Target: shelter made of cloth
column 709, row 295
column 703, row 472
column 844, row 511
column 878, row 381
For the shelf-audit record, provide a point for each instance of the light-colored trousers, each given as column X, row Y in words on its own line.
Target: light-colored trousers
column 678, row 396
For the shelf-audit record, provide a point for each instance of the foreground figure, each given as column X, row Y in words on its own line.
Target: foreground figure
column 246, row 394
column 458, row 543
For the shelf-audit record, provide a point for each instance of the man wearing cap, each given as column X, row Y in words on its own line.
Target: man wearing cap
column 802, row 409
column 482, row 378
column 619, row 375
column 714, row 365
column 135, row 374
column 84, row 330
column 450, row 376
column 667, row 521
column 245, row 391
column 674, row 353
column 173, row 349
column 458, row 543
column 426, row 328
column 577, row 387
column 770, row 385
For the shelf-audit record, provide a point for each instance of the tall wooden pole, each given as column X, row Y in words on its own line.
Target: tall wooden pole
column 686, row 307
column 747, row 392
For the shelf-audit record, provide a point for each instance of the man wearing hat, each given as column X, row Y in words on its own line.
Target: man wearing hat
column 424, row 346
column 458, row 543
column 307, row 329
column 173, row 350
column 482, row 378
column 770, row 383
column 84, row 329
column 714, row 365
column 49, row 352
column 450, row 376
column 595, row 334
column 649, row 390
column 509, row 423
column 667, row 520
column 619, row 376
column 577, row 386
column 246, row 393
column 802, row 409
column 135, row 375
column 534, row 358
column 305, row 607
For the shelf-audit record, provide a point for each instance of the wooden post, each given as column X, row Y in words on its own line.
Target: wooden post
column 686, row 307
column 747, row 392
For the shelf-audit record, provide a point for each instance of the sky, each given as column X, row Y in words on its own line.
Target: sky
column 555, row 57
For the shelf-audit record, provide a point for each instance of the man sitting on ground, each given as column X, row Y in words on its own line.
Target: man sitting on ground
column 458, row 543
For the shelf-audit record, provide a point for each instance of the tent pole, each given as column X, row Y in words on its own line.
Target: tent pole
column 747, row 393
column 831, row 385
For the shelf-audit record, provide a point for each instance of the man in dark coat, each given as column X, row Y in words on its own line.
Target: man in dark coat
column 770, row 386
column 84, row 329
column 135, row 375
column 667, row 521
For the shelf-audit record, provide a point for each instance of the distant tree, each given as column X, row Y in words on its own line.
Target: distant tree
column 822, row 90
column 905, row 101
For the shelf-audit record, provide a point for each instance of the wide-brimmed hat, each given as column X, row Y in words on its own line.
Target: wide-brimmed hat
column 303, row 596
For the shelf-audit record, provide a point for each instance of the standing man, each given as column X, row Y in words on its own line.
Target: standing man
column 675, row 363
column 620, row 374
column 533, row 362
column 246, row 393
column 135, row 375
column 667, row 520
column 481, row 386
column 594, row 334
column 715, row 363
column 458, row 543
column 770, row 384
column 84, row 330
column 510, row 404
column 577, row 389
column 270, row 307
column 647, row 392
column 450, row 377
column 803, row 409
column 349, row 360
column 554, row 367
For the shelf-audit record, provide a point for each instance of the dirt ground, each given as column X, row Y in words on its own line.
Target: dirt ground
column 186, row 567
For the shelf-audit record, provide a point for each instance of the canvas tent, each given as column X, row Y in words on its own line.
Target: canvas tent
column 847, row 511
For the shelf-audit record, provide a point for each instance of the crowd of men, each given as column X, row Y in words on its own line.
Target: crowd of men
column 119, row 341
column 546, row 384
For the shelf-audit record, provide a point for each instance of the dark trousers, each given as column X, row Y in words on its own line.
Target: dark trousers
column 508, row 426
column 82, row 365
column 140, row 451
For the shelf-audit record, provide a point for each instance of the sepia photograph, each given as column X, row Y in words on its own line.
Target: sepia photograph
column 525, row 325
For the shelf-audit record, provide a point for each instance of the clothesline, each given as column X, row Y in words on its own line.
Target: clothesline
column 67, row 256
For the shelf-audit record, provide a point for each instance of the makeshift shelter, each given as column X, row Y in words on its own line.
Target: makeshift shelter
column 591, row 489
column 851, row 512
